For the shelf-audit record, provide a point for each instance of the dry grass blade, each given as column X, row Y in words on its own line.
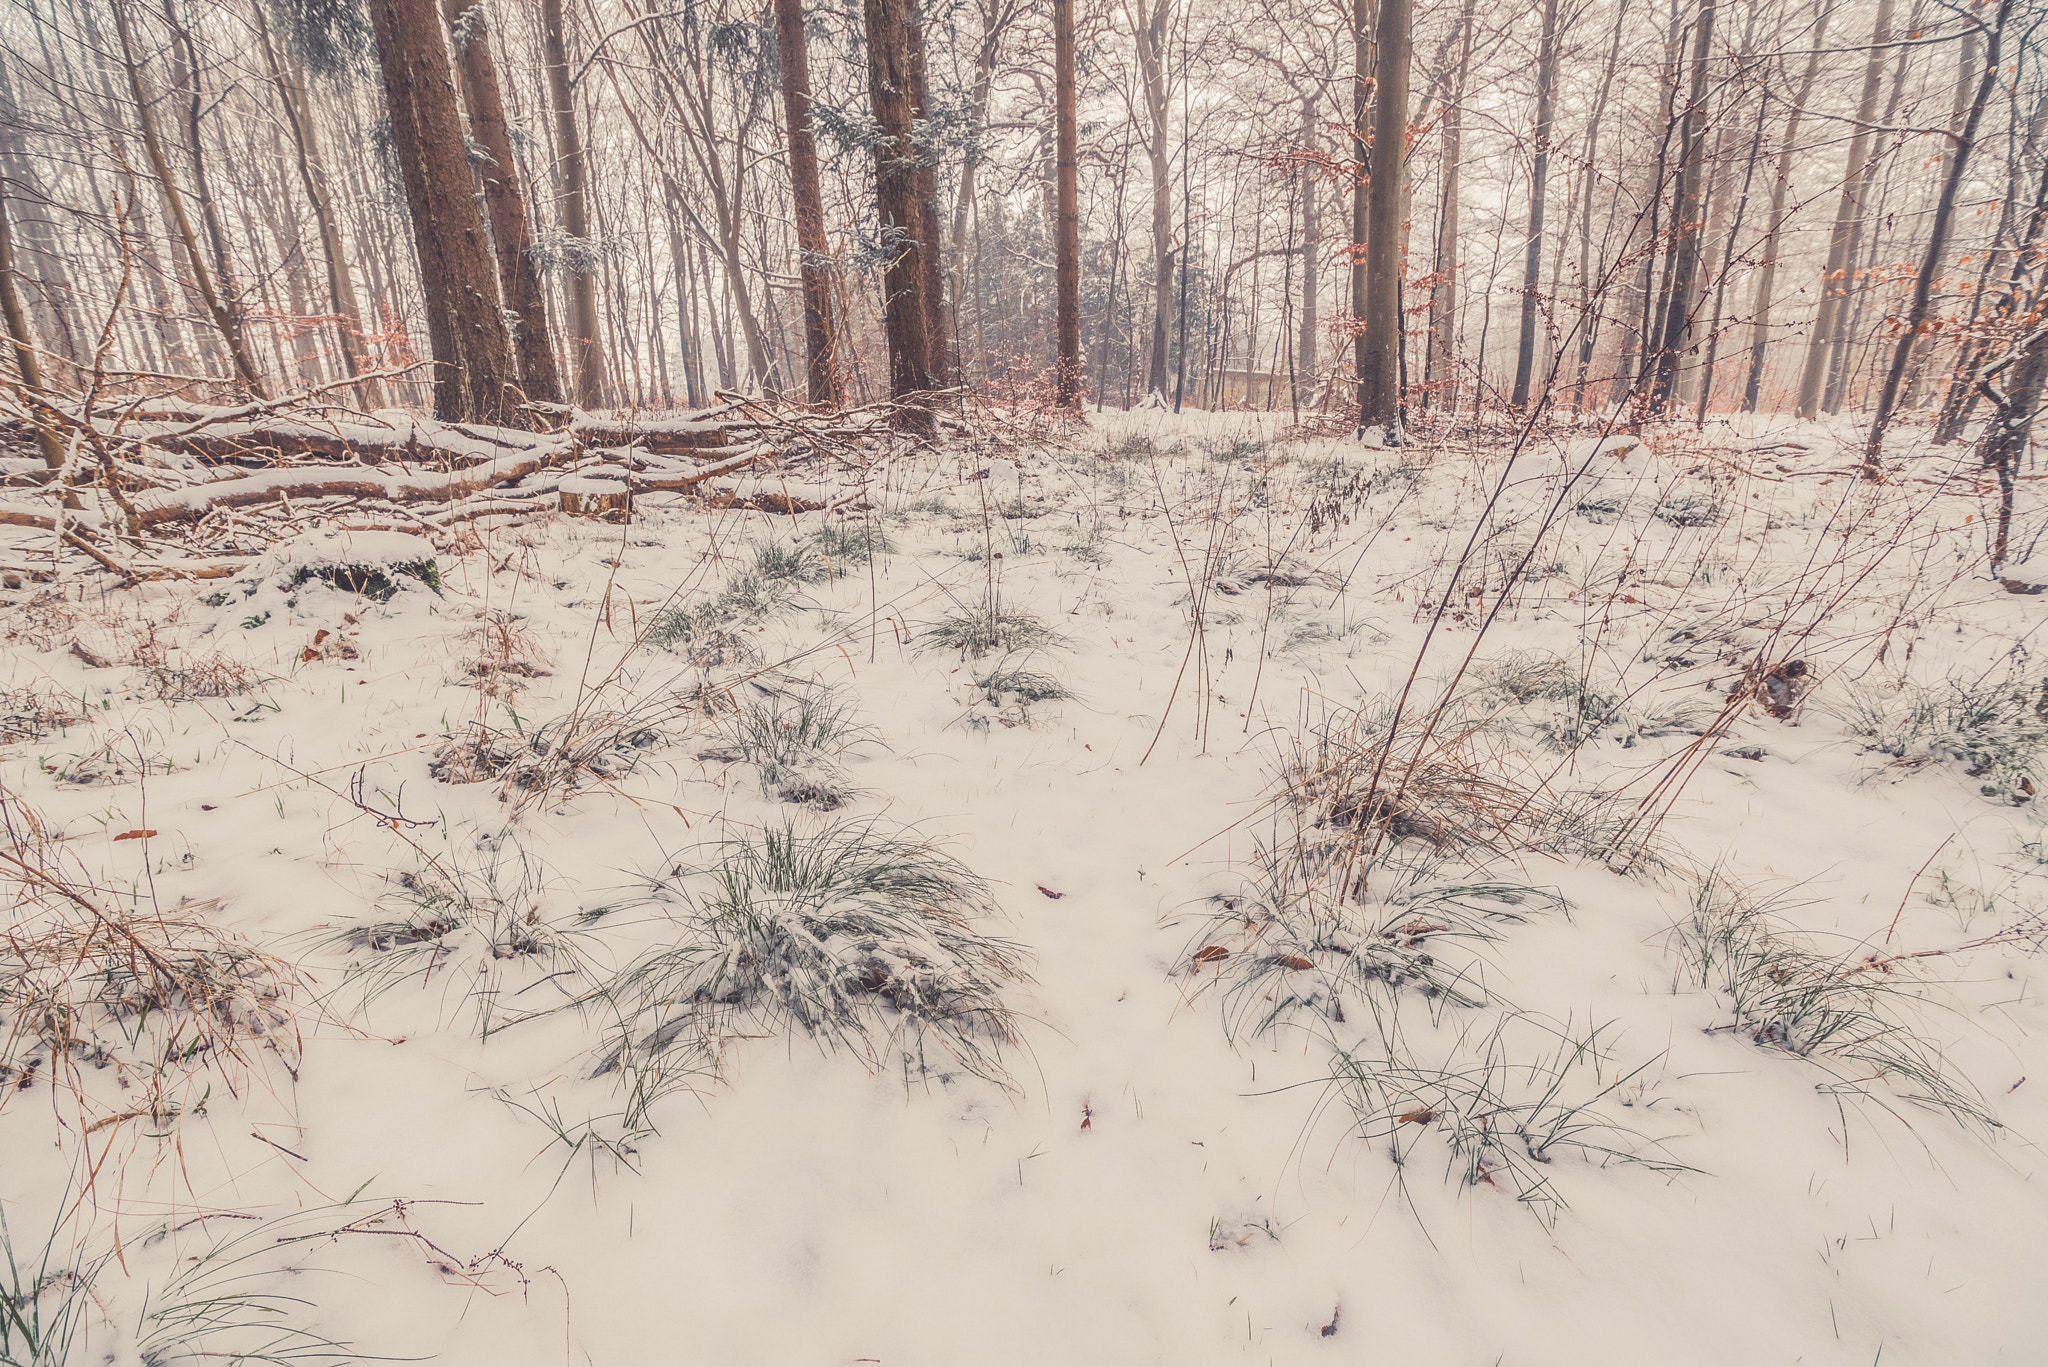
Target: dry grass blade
column 164, row 998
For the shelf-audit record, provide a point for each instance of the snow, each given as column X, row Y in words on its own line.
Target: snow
column 1148, row 1189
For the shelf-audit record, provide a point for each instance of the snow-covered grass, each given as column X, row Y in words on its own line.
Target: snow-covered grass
column 1168, row 891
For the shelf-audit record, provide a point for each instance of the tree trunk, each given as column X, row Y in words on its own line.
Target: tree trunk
column 1686, row 207
column 586, row 345
column 1589, row 287
column 1067, row 373
column 341, row 290
column 903, row 308
column 814, row 251
column 174, row 203
column 474, row 376
column 1152, row 30
column 1309, row 336
column 1937, row 243
column 1546, row 83
column 1857, row 270
column 1379, row 376
column 511, row 235
column 25, row 359
column 1834, row 275
column 1781, row 184
column 1969, row 63
column 1440, row 370
column 938, row 329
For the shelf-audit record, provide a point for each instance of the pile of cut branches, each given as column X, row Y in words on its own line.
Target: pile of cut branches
column 153, row 490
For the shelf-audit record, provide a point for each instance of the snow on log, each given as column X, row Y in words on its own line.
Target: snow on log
column 272, row 486
column 658, row 436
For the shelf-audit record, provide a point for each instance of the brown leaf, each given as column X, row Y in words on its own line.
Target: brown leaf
column 1420, row 927
column 308, row 655
column 1050, row 893
column 1294, row 961
column 135, row 835
column 1418, row 1117
column 92, row 658
column 1209, row 954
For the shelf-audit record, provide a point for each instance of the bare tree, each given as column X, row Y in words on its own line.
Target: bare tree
column 1917, row 311
column 1834, row 275
column 224, row 316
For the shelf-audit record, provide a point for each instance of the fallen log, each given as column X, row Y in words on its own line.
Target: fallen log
column 274, row 486
column 658, row 436
column 671, row 479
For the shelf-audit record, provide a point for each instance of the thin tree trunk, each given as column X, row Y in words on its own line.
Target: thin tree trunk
column 1152, row 31
column 1589, row 297
column 937, row 326
column 27, row 365
column 202, row 278
column 1361, row 192
column 814, row 251
column 1685, row 218
column 1857, row 272
column 1834, row 275
column 341, row 290
column 586, row 345
column 1937, row 243
column 1309, row 336
column 1639, row 339
column 1781, row 184
column 1532, row 268
column 1440, row 368
column 1068, row 377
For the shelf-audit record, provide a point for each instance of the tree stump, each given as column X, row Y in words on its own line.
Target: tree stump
column 589, row 496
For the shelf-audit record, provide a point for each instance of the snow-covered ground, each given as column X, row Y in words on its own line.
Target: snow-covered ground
column 1604, row 1042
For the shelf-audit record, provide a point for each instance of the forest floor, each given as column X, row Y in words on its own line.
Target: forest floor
column 1002, row 922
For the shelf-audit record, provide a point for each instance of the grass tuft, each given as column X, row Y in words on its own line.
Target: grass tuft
column 796, row 739
column 1026, row 685
column 1998, row 731
column 477, row 920
column 1855, row 1016
column 977, row 631
column 863, row 939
